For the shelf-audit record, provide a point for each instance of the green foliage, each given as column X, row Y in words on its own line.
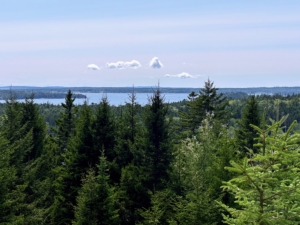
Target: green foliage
column 96, row 201
column 35, row 124
column 56, row 176
column 158, row 145
column 208, row 101
column 266, row 187
column 246, row 133
column 66, row 123
column 197, row 172
column 160, row 210
column 104, row 131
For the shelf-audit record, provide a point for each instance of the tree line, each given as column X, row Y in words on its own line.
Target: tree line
column 145, row 165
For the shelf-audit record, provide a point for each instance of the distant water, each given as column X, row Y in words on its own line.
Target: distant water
column 113, row 98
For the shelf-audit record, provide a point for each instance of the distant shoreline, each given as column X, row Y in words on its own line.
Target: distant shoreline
column 57, row 91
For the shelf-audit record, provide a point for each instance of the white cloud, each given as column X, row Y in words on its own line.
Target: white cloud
column 133, row 64
column 155, row 63
column 183, row 75
column 122, row 65
column 93, row 67
column 117, row 65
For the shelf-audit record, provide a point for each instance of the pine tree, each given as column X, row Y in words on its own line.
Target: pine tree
column 246, row 134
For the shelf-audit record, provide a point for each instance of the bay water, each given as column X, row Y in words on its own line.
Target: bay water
column 113, row 98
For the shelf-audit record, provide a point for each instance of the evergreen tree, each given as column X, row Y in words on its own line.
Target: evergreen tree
column 96, row 202
column 246, row 134
column 66, row 123
column 16, row 132
column 197, row 172
column 7, row 181
column 33, row 121
column 87, row 201
column 104, row 138
column 128, row 132
column 266, row 187
column 104, row 132
column 77, row 160
column 208, row 101
column 158, row 144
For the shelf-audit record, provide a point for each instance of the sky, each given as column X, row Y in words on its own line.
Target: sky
column 142, row 43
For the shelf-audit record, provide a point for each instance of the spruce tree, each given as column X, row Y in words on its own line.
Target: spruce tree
column 77, row 160
column 158, row 144
column 7, row 182
column 246, row 134
column 103, row 132
column 35, row 123
column 208, row 101
column 266, row 186
column 131, row 160
column 128, row 132
column 96, row 201
column 104, row 138
column 66, row 123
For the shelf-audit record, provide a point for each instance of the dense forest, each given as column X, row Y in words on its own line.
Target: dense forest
column 210, row 159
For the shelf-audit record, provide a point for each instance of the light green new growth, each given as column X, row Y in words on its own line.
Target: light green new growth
column 267, row 186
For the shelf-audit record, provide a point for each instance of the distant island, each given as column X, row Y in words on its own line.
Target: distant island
column 59, row 92
column 22, row 94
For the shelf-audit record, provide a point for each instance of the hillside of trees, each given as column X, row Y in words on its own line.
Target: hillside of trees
column 22, row 94
column 210, row 159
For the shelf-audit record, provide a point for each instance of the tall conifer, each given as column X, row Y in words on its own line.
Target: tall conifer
column 158, row 145
column 246, row 133
column 208, row 101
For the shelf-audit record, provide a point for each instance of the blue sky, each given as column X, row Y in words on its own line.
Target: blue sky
column 111, row 43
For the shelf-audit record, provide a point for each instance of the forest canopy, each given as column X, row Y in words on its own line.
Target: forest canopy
column 210, row 159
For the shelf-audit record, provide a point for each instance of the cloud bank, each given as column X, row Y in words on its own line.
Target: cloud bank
column 182, row 75
column 93, row 67
column 122, row 65
column 155, row 63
